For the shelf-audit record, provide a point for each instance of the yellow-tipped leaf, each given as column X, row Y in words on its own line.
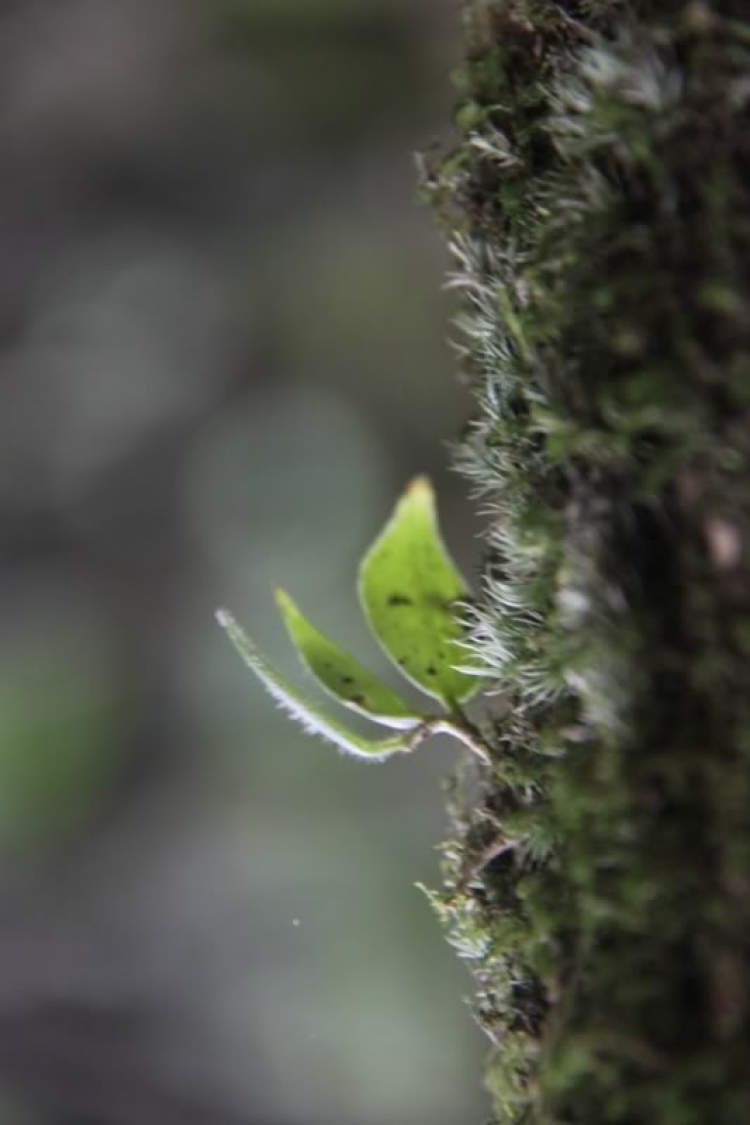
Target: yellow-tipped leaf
column 409, row 586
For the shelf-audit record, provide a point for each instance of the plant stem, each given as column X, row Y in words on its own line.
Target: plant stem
column 464, row 732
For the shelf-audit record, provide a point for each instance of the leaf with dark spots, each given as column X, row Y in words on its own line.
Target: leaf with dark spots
column 341, row 675
column 409, row 586
column 304, row 710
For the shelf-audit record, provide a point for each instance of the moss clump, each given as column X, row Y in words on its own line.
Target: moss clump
column 597, row 204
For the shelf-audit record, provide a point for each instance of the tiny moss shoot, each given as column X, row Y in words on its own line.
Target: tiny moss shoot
column 409, row 589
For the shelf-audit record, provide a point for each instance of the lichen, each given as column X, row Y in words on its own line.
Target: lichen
column 597, row 205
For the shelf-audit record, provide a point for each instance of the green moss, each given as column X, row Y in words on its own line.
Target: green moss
column 598, row 210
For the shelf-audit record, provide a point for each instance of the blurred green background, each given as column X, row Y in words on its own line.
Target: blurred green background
column 223, row 354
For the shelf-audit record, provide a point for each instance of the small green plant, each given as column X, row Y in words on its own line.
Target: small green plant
column 409, row 589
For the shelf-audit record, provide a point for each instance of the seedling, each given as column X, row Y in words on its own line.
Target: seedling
column 408, row 589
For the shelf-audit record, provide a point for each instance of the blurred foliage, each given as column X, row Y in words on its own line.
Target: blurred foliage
column 59, row 735
column 224, row 351
column 329, row 58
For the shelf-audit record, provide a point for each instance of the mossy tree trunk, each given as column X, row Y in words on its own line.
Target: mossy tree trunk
column 598, row 206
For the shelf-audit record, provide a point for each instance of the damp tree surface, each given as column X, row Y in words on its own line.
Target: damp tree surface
column 597, row 202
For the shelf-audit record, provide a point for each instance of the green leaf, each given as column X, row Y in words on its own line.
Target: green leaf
column 305, row 710
column 408, row 586
column 343, row 676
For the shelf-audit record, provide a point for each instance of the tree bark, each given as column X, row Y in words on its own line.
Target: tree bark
column 597, row 202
